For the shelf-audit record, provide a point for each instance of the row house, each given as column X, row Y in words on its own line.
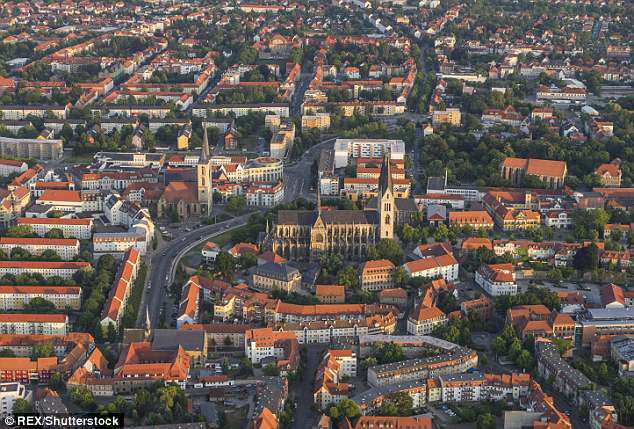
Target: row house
column 483, row 387
column 566, row 379
column 278, row 311
column 30, row 323
column 445, row 266
column 453, row 361
column 18, row 297
column 121, row 290
column 71, row 228
column 334, row 366
column 328, row 331
column 66, row 248
column 65, row 270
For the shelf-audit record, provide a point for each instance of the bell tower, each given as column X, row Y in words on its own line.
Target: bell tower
column 386, row 204
column 203, row 178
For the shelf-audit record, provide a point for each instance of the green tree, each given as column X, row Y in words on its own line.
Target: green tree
column 225, row 264
column 348, row 277
column 586, row 258
column 41, row 350
column 248, row 55
column 485, row 421
column 82, row 397
column 345, row 408
column 56, row 382
column 386, row 249
column 22, row 406
column 524, row 360
column 247, row 260
column 400, row 277
column 236, row 204
column 54, row 233
column 271, row 369
column 39, row 305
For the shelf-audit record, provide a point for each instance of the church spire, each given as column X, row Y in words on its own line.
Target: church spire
column 318, row 199
column 204, row 155
column 385, row 178
column 148, row 325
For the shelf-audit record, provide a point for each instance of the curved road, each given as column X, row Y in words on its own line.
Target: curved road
column 162, row 264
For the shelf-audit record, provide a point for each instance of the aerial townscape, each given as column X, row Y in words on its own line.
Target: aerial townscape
column 318, row 214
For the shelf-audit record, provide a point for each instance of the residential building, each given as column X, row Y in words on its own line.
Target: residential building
column 452, row 361
column 9, row 393
column 330, row 294
column 33, row 323
column 377, row 275
column 62, row 297
column 551, row 366
column 65, row 270
column 140, row 366
column 609, row 174
column 445, row 266
column 346, row 149
column 497, row 279
column 120, row 292
column 450, row 116
column 380, row 422
column 272, row 276
column 476, row 219
column 393, row 296
column 482, row 308
column 264, row 343
column 329, row 387
column 425, row 319
column 71, row 228
column 31, row 148
column 66, row 248
column 10, row 166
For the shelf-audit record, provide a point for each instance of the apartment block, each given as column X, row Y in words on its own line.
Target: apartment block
column 30, row 323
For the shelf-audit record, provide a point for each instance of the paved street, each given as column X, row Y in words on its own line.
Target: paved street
column 297, row 177
column 162, row 264
column 305, row 417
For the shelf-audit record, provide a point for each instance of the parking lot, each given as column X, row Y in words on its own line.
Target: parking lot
column 591, row 291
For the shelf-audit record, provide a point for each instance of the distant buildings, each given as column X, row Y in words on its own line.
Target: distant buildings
column 31, row 148
column 345, row 149
column 450, row 116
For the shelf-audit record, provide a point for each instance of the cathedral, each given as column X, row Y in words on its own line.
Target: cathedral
column 189, row 198
column 306, row 234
